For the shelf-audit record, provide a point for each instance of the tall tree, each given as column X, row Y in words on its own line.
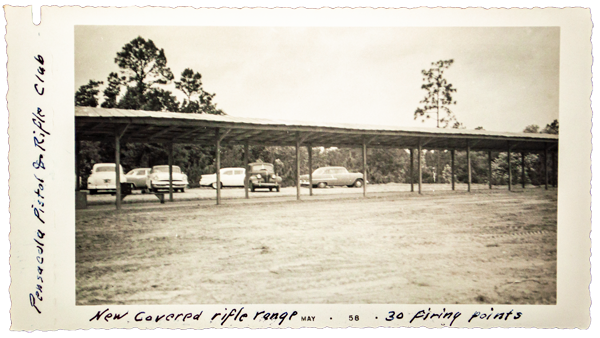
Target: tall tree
column 439, row 94
column 112, row 91
column 143, row 65
column 198, row 101
column 86, row 94
column 437, row 101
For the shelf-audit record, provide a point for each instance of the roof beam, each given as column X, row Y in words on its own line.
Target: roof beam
column 304, row 137
column 369, row 140
column 162, row 132
column 222, row 136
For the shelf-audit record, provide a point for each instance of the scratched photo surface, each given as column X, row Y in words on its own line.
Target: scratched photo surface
column 468, row 222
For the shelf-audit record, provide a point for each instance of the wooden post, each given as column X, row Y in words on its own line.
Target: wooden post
column 298, row 166
column 523, row 169
column 419, row 165
column 170, row 149
column 490, row 168
column 412, row 170
column 546, row 165
column 310, row 170
column 118, row 167
column 469, row 166
column 452, row 153
column 246, row 157
column 555, row 168
column 218, row 162
column 76, row 166
column 364, row 158
column 509, row 169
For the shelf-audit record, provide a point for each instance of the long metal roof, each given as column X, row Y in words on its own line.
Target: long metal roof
column 162, row 127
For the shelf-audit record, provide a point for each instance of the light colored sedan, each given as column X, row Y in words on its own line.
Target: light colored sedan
column 330, row 176
column 230, row 177
column 103, row 178
column 140, row 178
column 159, row 178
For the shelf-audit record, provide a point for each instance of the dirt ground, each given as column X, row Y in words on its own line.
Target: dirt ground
column 396, row 247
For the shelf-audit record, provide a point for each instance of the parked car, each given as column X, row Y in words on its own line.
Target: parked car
column 262, row 175
column 331, row 176
column 103, row 178
column 140, row 178
column 230, row 177
column 159, row 178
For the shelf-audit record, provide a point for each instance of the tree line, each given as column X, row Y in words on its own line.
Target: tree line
column 141, row 84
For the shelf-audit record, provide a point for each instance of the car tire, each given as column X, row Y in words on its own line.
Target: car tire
column 277, row 189
column 93, row 191
column 321, row 185
column 214, row 185
column 252, row 188
column 358, row 183
column 182, row 189
column 271, row 189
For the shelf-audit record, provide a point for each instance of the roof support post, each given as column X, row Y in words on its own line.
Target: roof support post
column 118, row 168
column 170, row 151
column 77, row 147
column 546, row 165
column 246, row 171
column 218, row 163
column 412, row 170
column 364, row 158
column 554, row 168
column 490, row 168
column 420, row 150
column 469, row 165
column 509, row 168
column 523, row 169
column 298, row 165
column 452, row 154
column 310, row 170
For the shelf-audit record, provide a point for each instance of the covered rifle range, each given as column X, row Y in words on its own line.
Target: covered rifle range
column 121, row 126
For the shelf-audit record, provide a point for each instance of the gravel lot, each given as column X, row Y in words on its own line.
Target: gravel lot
column 336, row 247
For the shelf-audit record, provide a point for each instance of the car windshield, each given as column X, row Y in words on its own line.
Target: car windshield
column 262, row 166
column 105, row 168
column 165, row 169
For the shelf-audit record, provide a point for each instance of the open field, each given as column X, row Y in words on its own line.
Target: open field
column 396, row 247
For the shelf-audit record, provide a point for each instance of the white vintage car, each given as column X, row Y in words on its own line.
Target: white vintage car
column 230, row 177
column 103, row 178
column 140, row 178
column 159, row 178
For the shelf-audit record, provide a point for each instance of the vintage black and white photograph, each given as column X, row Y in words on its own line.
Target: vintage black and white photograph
column 316, row 165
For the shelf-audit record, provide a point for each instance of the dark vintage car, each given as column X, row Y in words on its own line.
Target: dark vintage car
column 262, row 175
column 331, row 176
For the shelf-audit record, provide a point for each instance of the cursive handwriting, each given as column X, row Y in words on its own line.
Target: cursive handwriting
column 39, row 138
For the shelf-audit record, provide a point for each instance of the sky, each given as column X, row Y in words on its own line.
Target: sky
column 506, row 77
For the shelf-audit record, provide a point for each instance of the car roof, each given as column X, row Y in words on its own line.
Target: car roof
column 232, row 168
column 332, row 168
column 163, row 165
column 260, row 163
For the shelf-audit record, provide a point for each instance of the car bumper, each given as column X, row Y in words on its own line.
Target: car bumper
column 165, row 185
column 265, row 184
column 101, row 187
